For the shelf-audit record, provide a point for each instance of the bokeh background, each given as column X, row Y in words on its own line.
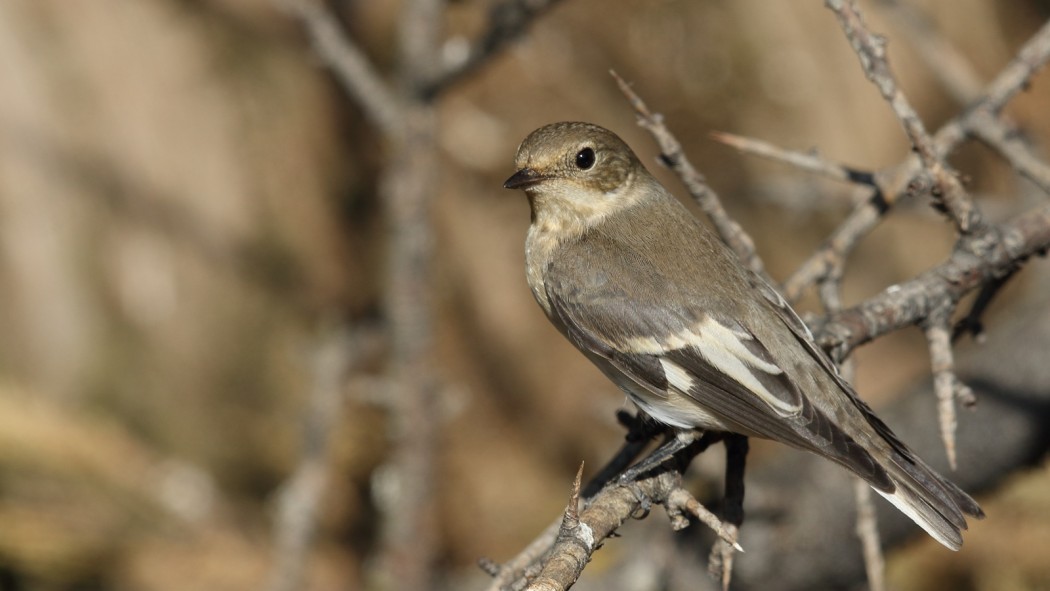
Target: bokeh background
column 188, row 199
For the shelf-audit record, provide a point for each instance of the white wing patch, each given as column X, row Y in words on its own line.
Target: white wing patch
column 723, row 348
column 677, row 376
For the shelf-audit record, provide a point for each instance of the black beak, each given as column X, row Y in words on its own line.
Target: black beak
column 523, row 178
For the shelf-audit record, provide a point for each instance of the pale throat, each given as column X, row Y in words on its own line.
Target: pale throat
column 559, row 216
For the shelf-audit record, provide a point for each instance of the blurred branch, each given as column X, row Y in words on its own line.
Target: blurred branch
column 671, row 153
column 944, row 61
column 867, row 530
column 1008, row 143
column 337, row 352
column 508, row 21
column 351, row 67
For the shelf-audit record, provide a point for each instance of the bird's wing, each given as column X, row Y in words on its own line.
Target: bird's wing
column 666, row 338
column 805, row 338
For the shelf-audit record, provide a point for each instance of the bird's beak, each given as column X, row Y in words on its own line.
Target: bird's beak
column 524, row 178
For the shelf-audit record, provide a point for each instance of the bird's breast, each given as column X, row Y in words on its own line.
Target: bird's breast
column 539, row 250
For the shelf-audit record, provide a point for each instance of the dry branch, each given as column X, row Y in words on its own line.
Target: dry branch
column 831, row 257
column 349, row 64
column 508, row 21
column 672, row 155
column 946, row 189
column 976, row 260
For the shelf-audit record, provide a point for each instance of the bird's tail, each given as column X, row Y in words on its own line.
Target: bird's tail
column 929, row 499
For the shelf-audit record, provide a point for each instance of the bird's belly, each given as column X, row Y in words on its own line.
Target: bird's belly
column 677, row 411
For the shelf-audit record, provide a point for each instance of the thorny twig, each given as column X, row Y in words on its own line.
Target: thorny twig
column 866, row 214
column 871, row 49
column 671, row 152
column 809, row 162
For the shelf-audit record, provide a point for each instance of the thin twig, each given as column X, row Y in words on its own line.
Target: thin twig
column 867, row 214
column 942, row 59
column 672, row 155
column 680, row 502
column 868, row 532
column 809, row 162
column 1008, row 143
column 871, row 49
column 945, row 382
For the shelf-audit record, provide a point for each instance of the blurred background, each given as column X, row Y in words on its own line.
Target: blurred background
column 190, row 210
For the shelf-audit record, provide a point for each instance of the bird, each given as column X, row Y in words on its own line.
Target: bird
column 696, row 340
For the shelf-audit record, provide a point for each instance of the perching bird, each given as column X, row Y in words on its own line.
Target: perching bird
column 697, row 341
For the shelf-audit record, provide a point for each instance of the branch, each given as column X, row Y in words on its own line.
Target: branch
column 867, row 214
column 1008, row 143
column 871, row 49
column 508, row 21
column 337, row 352
column 942, row 59
column 555, row 559
column 867, row 530
column 975, row 261
column 350, row 65
column 809, row 162
column 672, row 155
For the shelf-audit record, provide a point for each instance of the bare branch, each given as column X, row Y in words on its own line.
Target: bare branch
column 721, row 560
column 419, row 38
column 868, row 532
column 975, row 261
column 938, row 338
column 943, row 60
column 334, row 356
column 573, row 546
column 809, row 162
column 866, row 215
column 1015, row 76
column 671, row 153
column 508, row 21
column 352, row 69
column 871, row 49
column 830, row 259
column 1009, row 144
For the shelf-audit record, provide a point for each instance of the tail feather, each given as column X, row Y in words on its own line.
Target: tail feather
column 931, row 501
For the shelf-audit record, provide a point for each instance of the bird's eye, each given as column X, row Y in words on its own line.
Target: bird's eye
column 585, row 159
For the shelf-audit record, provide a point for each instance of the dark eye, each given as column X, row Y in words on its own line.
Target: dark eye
column 585, row 159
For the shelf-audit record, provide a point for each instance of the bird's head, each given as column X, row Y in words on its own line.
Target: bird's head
column 574, row 171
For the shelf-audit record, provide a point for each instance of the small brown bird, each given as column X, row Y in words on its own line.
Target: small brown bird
column 697, row 341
